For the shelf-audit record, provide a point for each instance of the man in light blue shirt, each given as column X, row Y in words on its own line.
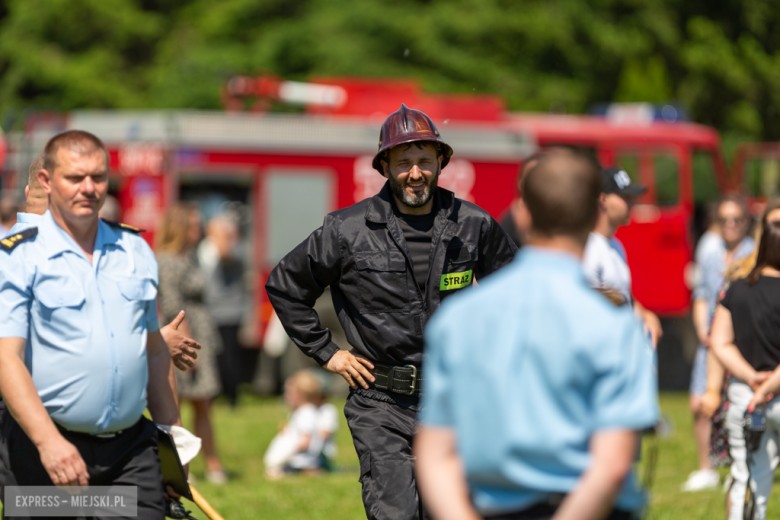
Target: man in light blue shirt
column 81, row 355
column 182, row 348
column 536, row 384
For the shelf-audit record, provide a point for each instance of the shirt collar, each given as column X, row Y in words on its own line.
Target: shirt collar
column 594, row 235
column 59, row 241
column 28, row 218
column 551, row 259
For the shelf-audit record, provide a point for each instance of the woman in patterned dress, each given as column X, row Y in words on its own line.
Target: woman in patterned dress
column 181, row 287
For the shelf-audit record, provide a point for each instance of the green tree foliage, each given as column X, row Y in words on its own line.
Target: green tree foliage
column 720, row 59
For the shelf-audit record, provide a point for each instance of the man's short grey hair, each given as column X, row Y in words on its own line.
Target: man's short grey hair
column 76, row 140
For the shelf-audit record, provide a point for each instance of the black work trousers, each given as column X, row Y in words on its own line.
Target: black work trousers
column 6, row 478
column 129, row 459
column 382, row 433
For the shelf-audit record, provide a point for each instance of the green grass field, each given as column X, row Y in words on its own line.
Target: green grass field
column 244, row 434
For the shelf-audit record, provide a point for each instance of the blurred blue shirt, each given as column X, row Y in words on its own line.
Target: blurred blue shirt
column 526, row 368
column 85, row 323
column 24, row 221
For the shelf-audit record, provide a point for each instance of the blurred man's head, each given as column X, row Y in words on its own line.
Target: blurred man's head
column 616, row 200
column 561, row 194
column 75, row 175
column 222, row 231
column 37, row 200
column 733, row 219
column 531, row 162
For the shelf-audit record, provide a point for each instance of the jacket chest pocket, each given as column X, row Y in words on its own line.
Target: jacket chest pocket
column 459, row 265
column 382, row 282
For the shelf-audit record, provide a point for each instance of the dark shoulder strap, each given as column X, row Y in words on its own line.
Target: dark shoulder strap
column 126, row 227
column 11, row 241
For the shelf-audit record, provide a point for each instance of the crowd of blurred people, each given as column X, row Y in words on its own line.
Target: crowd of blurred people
column 207, row 278
column 736, row 371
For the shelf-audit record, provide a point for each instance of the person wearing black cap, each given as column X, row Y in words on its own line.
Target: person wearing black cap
column 390, row 260
column 605, row 258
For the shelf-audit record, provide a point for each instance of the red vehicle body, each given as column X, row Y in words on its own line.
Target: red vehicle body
column 291, row 169
column 661, row 156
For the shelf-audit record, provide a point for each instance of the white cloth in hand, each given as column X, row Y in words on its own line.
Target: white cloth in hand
column 187, row 444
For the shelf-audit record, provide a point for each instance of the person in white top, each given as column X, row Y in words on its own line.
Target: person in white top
column 604, row 260
column 305, row 443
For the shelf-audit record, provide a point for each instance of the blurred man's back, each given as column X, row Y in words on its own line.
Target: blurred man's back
column 542, row 381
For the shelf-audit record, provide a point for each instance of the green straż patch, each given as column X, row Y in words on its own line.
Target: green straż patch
column 452, row 281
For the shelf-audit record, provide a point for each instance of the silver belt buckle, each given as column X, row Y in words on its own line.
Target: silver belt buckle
column 109, row 435
column 413, row 387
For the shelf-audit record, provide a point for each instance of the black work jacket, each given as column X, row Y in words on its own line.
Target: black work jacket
column 360, row 252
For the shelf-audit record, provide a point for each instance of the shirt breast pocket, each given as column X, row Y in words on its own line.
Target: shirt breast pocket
column 138, row 293
column 382, row 282
column 137, row 289
column 61, row 307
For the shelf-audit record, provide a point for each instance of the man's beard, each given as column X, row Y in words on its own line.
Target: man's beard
column 414, row 201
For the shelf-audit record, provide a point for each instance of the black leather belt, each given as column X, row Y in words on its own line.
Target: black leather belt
column 406, row 379
column 85, row 435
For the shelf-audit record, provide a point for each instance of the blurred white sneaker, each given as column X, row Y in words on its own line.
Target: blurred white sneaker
column 216, row 476
column 701, row 479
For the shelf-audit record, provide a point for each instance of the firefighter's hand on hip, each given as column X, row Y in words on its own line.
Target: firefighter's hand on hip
column 352, row 368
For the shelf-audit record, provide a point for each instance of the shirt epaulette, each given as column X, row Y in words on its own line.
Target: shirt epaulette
column 126, row 227
column 10, row 242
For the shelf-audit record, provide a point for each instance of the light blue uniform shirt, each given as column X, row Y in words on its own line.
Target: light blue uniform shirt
column 85, row 323
column 24, row 221
column 526, row 368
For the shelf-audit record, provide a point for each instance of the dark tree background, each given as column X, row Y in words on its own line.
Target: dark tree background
column 720, row 59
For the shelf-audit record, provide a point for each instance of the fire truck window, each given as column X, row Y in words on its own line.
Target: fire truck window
column 667, row 182
column 705, row 188
column 297, row 203
column 762, row 176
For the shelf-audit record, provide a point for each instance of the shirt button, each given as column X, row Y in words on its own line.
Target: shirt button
column 60, row 301
column 116, row 370
column 112, row 334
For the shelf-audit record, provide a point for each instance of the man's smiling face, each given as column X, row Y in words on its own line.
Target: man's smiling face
column 413, row 171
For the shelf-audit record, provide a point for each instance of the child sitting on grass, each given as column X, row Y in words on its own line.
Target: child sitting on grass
column 305, row 442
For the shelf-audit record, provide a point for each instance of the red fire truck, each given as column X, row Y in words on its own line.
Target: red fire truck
column 284, row 171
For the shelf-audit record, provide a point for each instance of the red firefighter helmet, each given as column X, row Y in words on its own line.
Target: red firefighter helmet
column 407, row 126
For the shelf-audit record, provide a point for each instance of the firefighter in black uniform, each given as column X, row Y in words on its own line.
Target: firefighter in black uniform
column 389, row 260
